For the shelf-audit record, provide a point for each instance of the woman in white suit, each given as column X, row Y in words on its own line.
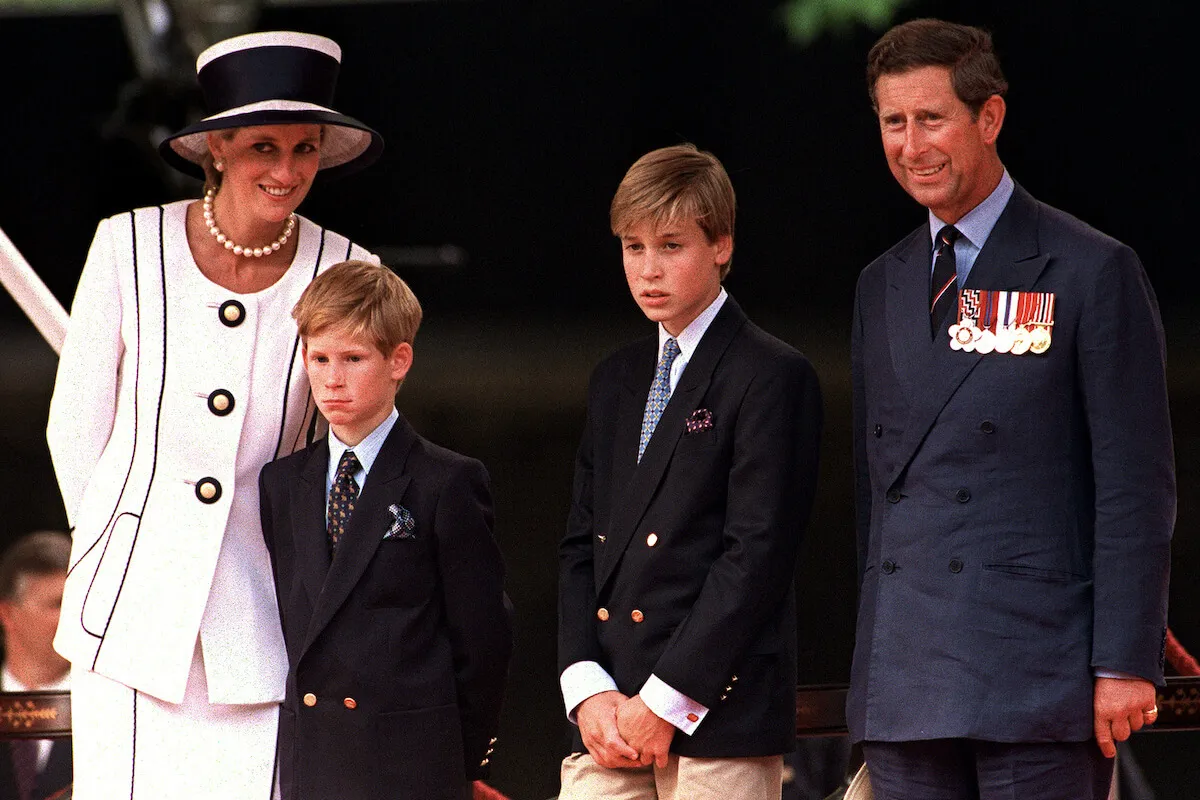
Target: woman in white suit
column 179, row 378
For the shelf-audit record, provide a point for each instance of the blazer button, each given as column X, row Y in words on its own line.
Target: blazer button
column 956, row 565
column 350, row 703
column 724, row 697
column 492, row 741
column 637, row 616
column 602, row 614
column 987, row 426
column 231, row 313
column 893, row 495
column 878, row 431
column 484, row 763
column 208, row 490
column 310, row 699
column 220, row 402
column 652, row 540
column 888, row 567
column 963, row 495
column 733, row 679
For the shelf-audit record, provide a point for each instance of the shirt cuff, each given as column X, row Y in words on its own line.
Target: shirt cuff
column 678, row 709
column 1110, row 673
column 580, row 681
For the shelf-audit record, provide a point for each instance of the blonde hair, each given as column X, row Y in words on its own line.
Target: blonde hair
column 676, row 183
column 367, row 299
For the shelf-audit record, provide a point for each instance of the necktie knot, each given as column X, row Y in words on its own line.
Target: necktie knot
column 347, row 466
column 947, row 236
column 670, row 350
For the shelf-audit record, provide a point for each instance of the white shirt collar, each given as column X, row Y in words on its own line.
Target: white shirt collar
column 366, row 451
column 689, row 338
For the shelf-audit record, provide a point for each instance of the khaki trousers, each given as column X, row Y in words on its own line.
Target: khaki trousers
column 682, row 779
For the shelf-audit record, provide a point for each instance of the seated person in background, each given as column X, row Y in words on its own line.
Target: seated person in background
column 32, row 573
column 390, row 583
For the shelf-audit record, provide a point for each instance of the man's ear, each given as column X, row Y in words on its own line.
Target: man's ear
column 400, row 361
column 991, row 118
column 724, row 244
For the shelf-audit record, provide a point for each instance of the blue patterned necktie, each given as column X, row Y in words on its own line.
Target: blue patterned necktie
column 342, row 495
column 660, row 393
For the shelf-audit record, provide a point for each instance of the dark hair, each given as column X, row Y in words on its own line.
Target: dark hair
column 40, row 553
column 966, row 51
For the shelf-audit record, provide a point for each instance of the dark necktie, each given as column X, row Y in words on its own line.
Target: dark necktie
column 342, row 495
column 660, row 393
column 24, row 759
column 943, row 287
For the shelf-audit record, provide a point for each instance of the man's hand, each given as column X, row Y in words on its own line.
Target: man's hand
column 597, row 718
column 649, row 733
column 1121, row 706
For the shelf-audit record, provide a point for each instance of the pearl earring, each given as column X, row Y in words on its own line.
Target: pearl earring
column 219, row 166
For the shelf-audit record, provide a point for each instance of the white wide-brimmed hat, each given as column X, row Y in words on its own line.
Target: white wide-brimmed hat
column 273, row 78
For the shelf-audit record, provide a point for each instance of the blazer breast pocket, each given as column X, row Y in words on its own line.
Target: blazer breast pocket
column 698, row 441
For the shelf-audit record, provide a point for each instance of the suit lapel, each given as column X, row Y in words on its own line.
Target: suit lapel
column 1010, row 260
column 908, row 271
column 308, row 520
column 385, row 485
column 632, row 497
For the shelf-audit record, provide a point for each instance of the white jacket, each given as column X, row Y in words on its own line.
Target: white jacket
column 166, row 390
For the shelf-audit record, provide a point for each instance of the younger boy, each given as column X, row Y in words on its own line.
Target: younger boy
column 390, row 584
column 693, row 484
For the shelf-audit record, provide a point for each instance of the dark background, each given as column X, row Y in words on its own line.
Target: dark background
column 508, row 127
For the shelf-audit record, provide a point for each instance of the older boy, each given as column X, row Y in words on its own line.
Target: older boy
column 390, row 584
column 693, row 483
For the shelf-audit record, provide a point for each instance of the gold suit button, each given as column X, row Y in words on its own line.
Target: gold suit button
column 492, row 740
column 637, row 616
column 310, row 699
column 220, row 402
column 350, row 703
column 208, row 490
column 602, row 614
column 231, row 313
column 652, row 540
column 484, row 763
column 724, row 696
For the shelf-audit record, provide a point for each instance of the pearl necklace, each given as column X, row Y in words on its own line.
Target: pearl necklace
column 254, row 252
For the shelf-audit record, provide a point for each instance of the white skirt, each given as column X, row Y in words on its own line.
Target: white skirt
column 128, row 744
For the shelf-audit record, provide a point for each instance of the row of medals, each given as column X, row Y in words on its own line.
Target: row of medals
column 965, row 335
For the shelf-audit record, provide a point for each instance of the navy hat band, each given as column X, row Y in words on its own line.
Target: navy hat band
column 268, row 73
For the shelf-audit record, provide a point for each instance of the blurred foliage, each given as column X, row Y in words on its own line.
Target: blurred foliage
column 808, row 20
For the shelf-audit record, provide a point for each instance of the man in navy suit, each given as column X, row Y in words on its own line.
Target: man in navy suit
column 693, row 483
column 32, row 573
column 1015, row 477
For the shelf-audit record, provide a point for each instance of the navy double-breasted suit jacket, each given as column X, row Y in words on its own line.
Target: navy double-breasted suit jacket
column 1014, row 512
column 700, row 537
column 398, row 650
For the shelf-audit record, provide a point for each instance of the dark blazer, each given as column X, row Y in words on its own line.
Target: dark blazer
column 54, row 777
column 700, row 537
column 1014, row 512
column 398, row 651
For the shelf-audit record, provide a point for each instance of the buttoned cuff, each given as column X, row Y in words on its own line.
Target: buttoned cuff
column 678, row 709
column 580, row 681
column 1111, row 673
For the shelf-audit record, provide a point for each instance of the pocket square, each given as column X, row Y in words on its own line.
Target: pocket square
column 700, row 420
column 403, row 525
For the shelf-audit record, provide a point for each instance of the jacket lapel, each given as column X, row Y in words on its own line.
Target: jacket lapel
column 1010, row 260
column 308, row 520
column 385, row 485
column 632, row 498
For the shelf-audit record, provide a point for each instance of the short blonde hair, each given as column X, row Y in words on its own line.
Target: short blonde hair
column 365, row 298
column 675, row 183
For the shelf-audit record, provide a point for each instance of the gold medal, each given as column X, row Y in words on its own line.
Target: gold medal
column 1039, row 339
column 1020, row 344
